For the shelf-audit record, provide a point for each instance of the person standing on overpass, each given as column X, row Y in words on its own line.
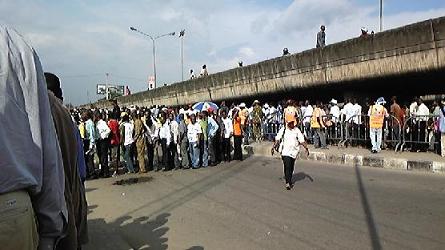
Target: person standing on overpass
column 321, row 37
column 289, row 139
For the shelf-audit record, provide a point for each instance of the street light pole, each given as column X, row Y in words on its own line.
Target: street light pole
column 106, row 87
column 153, row 39
column 181, row 35
column 381, row 15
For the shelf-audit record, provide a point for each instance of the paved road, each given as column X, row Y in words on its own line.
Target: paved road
column 245, row 206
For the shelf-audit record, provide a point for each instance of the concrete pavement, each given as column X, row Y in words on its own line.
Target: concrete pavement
column 243, row 205
column 355, row 156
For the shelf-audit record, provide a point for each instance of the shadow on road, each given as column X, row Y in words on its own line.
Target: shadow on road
column 125, row 232
column 301, row 176
column 372, row 228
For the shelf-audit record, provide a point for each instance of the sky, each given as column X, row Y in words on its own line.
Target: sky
column 82, row 40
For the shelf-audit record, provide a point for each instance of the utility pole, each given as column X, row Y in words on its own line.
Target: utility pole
column 381, row 15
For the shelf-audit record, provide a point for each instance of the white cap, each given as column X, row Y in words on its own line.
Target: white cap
column 242, row 105
column 333, row 101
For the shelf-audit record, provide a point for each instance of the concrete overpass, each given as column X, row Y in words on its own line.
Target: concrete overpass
column 403, row 60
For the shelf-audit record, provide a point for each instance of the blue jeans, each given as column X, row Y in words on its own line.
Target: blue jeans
column 205, row 154
column 376, row 138
column 194, row 154
column 127, row 158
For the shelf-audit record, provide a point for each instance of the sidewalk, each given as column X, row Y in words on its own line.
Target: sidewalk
column 353, row 156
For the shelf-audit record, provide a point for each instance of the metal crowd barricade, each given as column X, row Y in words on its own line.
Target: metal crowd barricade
column 356, row 132
column 419, row 133
column 270, row 130
column 334, row 129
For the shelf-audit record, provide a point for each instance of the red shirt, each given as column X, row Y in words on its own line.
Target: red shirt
column 115, row 134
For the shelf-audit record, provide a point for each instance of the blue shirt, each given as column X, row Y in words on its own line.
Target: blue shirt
column 90, row 131
column 80, row 155
column 212, row 127
column 442, row 121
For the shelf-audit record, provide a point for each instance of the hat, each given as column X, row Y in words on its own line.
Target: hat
column 381, row 100
column 333, row 101
column 256, row 101
column 364, row 29
column 123, row 114
column 242, row 105
column 266, row 106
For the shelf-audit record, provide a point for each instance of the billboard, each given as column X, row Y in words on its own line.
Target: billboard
column 113, row 90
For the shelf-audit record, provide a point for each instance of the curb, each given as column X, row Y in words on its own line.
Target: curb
column 360, row 160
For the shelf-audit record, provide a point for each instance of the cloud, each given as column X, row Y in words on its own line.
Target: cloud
column 83, row 39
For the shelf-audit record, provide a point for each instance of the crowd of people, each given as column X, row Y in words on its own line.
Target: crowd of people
column 165, row 138
column 47, row 152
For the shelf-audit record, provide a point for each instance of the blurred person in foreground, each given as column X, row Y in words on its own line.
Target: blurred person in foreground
column 66, row 130
column 33, row 211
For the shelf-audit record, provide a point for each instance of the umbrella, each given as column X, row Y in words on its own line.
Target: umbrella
column 201, row 106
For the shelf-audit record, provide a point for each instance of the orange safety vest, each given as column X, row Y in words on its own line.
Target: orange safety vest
column 377, row 116
column 314, row 121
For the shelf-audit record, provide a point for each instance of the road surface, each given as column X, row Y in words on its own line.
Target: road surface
column 244, row 205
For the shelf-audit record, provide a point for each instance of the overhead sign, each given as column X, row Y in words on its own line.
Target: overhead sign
column 112, row 89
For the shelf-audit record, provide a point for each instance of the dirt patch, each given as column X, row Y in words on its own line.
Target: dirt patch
column 132, row 181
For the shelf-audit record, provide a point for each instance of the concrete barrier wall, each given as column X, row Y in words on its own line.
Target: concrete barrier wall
column 418, row 47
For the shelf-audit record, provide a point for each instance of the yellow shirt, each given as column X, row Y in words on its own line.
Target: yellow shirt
column 82, row 130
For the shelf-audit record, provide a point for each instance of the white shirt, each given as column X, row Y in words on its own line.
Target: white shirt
column 413, row 108
column 174, row 128
column 308, row 113
column 102, row 129
column 128, row 133
column 357, row 113
column 290, row 144
column 204, row 72
column 335, row 112
column 348, row 111
column 165, row 133
column 423, row 110
column 228, row 127
column 193, row 131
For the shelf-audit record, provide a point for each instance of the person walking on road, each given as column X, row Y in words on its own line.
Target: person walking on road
column 377, row 114
column 288, row 140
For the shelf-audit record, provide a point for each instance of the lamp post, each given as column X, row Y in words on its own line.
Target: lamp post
column 107, row 93
column 153, row 39
column 381, row 15
column 181, row 35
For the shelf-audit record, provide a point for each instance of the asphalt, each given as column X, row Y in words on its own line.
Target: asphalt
column 244, row 205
